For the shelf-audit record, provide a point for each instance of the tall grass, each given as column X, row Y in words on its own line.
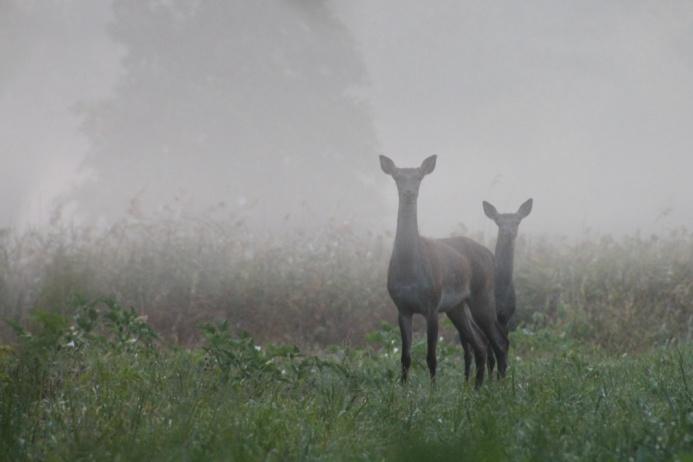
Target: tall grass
column 625, row 294
column 328, row 286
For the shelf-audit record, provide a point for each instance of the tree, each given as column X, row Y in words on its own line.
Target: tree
column 247, row 101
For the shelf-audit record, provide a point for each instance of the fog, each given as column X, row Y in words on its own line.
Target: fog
column 275, row 111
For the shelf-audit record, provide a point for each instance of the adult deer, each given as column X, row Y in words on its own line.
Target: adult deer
column 431, row 276
column 508, row 224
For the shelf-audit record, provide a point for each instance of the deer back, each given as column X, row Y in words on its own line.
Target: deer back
column 481, row 262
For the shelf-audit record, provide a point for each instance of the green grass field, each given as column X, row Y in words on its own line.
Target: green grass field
column 98, row 385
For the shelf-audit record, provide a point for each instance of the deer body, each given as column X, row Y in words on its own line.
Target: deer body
column 438, row 281
column 508, row 224
column 432, row 276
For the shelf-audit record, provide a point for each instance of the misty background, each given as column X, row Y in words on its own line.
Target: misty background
column 274, row 112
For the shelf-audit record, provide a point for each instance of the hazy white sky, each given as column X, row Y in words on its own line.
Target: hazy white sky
column 585, row 106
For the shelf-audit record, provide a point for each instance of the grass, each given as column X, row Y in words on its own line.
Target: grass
column 327, row 286
column 601, row 367
column 99, row 385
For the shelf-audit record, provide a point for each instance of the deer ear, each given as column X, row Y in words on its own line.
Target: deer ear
column 428, row 165
column 490, row 210
column 525, row 208
column 387, row 165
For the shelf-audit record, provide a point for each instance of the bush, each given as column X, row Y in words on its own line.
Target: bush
column 624, row 295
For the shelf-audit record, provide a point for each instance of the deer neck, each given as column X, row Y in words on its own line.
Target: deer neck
column 406, row 254
column 505, row 254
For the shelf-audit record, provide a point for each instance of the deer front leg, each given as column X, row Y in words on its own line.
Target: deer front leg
column 432, row 337
column 405, row 331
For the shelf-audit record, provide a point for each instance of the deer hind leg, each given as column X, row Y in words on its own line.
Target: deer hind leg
column 499, row 344
column 491, row 359
column 482, row 307
column 432, row 338
column 467, row 347
column 471, row 335
column 405, row 330
column 504, row 345
column 468, row 351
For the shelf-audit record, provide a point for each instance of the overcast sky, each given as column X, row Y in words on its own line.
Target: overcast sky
column 585, row 106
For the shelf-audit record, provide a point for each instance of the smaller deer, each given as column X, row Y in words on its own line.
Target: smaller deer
column 508, row 224
column 431, row 276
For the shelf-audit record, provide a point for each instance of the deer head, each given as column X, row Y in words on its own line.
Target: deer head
column 508, row 223
column 408, row 180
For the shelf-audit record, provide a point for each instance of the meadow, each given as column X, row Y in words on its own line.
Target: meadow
column 200, row 340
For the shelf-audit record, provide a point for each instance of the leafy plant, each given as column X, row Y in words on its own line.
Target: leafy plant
column 239, row 357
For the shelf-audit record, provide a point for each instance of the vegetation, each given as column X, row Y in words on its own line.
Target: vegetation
column 97, row 387
column 328, row 287
column 306, row 367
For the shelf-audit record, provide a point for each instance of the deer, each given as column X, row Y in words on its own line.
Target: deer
column 432, row 276
column 508, row 224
